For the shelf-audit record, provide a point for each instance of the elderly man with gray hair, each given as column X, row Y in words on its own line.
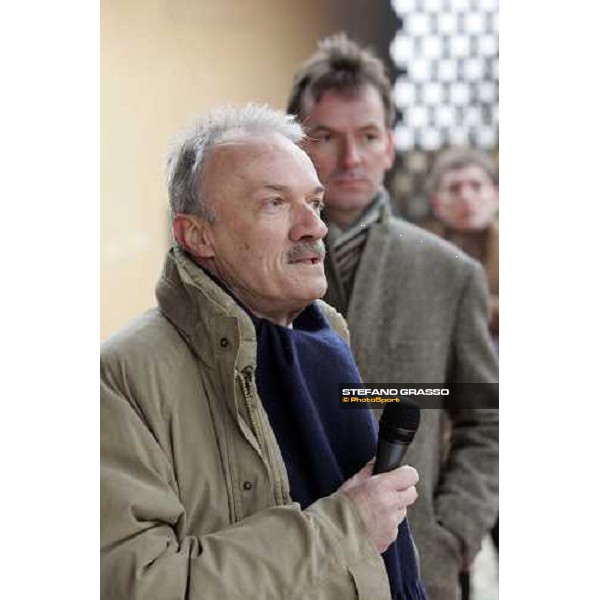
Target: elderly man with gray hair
column 228, row 468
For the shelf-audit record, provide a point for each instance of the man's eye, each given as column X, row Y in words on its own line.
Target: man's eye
column 317, row 204
column 323, row 137
column 370, row 137
column 274, row 202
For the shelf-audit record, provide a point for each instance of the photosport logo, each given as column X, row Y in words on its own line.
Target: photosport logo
column 462, row 395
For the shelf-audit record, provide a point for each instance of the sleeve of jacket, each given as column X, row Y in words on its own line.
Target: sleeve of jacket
column 280, row 552
column 467, row 497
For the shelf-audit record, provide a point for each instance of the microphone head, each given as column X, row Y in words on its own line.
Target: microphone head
column 400, row 421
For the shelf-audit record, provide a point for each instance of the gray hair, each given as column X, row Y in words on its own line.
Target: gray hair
column 186, row 160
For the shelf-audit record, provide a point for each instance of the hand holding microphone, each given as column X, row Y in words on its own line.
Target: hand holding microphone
column 383, row 491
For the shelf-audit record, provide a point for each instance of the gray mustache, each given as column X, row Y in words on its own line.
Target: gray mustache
column 306, row 249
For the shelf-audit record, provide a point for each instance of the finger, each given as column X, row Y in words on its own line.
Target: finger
column 361, row 475
column 401, row 515
column 401, row 478
column 369, row 465
column 364, row 473
column 367, row 469
column 408, row 497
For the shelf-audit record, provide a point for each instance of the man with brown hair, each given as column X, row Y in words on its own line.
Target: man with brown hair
column 417, row 307
column 463, row 187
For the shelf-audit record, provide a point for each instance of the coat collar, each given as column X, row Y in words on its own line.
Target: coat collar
column 209, row 319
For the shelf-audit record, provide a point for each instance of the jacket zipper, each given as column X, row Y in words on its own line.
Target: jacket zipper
column 247, row 377
column 247, row 391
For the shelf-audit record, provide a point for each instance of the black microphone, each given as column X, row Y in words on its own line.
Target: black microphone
column 397, row 428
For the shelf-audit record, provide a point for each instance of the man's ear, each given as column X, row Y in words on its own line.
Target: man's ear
column 435, row 202
column 193, row 234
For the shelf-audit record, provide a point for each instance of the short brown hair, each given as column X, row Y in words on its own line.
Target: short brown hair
column 459, row 158
column 340, row 64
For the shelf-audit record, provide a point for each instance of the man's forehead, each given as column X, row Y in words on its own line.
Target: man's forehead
column 471, row 171
column 244, row 143
column 262, row 161
column 362, row 106
column 248, row 149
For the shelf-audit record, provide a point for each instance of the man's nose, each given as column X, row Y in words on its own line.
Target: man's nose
column 351, row 155
column 307, row 225
column 466, row 194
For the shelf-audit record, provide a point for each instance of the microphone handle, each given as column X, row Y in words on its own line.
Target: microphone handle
column 389, row 455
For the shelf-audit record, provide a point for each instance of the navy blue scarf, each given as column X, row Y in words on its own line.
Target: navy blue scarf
column 298, row 372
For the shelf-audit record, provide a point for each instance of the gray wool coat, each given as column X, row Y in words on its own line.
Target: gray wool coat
column 418, row 313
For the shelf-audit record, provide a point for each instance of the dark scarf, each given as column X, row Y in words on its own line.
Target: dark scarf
column 323, row 445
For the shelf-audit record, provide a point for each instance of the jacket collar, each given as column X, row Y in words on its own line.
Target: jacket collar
column 209, row 319
column 379, row 210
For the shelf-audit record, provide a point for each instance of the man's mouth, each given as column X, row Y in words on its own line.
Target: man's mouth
column 309, row 260
column 349, row 180
column 307, row 253
column 349, row 177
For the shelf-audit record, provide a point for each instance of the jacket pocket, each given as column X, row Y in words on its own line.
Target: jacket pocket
column 442, row 564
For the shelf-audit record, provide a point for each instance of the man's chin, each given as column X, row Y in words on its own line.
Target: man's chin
column 321, row 291
column 470, row 225
column 348, row 199
column 317, row 288
column 314, row 289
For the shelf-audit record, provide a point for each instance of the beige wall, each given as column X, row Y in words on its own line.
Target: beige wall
column 162, row 61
